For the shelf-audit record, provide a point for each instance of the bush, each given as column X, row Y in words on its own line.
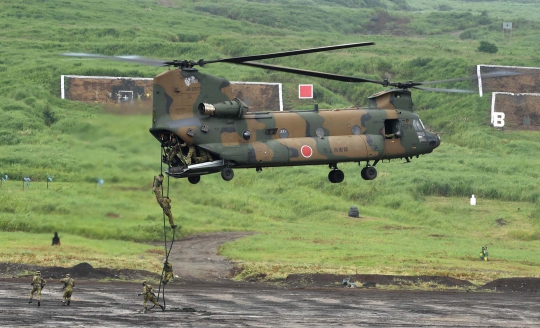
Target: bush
column 487, row 47
column 444, row 7
column 469, row 34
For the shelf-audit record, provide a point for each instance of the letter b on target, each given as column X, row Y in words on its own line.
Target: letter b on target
column 498, row 119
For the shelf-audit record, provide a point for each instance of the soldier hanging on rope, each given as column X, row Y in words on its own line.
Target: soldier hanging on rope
column 148, row 293
column 164, row 202
column 167, row 272
column 38, row 284
column 69, row 283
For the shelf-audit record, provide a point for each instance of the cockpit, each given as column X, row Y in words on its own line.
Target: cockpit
column 424, row 136
column 420, row 130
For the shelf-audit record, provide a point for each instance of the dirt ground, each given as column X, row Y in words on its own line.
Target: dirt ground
column 205, row 295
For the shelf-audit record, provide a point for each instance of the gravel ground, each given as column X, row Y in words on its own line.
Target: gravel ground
column 205, row 296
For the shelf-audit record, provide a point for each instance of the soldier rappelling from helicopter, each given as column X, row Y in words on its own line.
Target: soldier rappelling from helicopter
column 164, row 202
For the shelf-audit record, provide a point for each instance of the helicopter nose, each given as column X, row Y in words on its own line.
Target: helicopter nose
column 435, row 141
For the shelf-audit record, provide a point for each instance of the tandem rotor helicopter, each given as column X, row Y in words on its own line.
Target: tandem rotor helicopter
column 203, row 129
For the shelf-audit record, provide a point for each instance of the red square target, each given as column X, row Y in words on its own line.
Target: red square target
column 305, row 91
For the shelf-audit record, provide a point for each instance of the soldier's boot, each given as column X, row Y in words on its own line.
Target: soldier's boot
column 63, row 303
column 30, row 301
column 144, row 310
column 69, row 301
column 174, row 226
column 162, row 307
column 38, row 303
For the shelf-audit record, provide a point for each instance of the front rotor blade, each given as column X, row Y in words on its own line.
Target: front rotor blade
column 130, row 59
column 287, row 53
column 472, row 77
column 443, row 90
column 328, row 76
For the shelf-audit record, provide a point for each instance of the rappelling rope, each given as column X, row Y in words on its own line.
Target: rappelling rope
column 167, row 252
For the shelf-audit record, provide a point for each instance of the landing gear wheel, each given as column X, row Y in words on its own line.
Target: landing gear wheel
column 369, row 173
column 227, row 174
column 194, row 179
column 336, row 176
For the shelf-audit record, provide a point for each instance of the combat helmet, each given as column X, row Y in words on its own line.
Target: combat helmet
column 68, row 275
column 144, row 282
column 38, row 272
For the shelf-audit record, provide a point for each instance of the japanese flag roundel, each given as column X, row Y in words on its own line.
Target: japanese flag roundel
column 306, row 151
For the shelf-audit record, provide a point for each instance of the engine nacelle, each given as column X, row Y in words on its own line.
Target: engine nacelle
column 226, row 109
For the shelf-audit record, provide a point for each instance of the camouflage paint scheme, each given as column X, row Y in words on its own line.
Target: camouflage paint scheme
column 282, row 138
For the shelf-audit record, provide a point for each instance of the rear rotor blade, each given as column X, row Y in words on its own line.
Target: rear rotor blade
column 328, row 76
column 286, row 53
column 443, row 90
column 131, row 59
column 472, row 77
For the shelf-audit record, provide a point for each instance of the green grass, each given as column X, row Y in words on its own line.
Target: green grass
column 35, row 248
column 415, row 217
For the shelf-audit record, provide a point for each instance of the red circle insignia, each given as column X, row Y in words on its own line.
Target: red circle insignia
column 306, row 151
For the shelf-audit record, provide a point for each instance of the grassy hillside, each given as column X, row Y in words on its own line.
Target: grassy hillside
column 415, row 217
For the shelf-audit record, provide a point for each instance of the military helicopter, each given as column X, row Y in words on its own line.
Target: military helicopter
column 203, row 129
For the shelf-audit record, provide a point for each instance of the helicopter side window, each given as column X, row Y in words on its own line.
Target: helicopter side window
column 419, row 127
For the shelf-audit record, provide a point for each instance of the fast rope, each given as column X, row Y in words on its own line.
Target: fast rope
column 167, row 252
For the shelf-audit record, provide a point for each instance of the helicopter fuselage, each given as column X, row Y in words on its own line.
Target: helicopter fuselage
column 200, row 110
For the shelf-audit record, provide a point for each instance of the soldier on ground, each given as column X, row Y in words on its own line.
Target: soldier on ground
column 484, row 253
column 148, row 293
column 56, row 239
column 38, row 284
column 167, row 272
column 69, row 283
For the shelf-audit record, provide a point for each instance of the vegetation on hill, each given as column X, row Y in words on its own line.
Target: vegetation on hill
column 415, row 217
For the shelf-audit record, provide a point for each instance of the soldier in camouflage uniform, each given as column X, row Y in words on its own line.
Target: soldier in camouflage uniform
column 156, row 186
column 167, row 272
column 148, row 293
column 38, row 284
column 164, row 202
column 191, row 156
column 174, row 150
column 484, row 253
column 69, row 283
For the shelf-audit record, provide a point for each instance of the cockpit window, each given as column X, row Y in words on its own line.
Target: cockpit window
column 419, row 127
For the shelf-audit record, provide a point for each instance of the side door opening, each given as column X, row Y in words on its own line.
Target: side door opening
column 392, row 129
